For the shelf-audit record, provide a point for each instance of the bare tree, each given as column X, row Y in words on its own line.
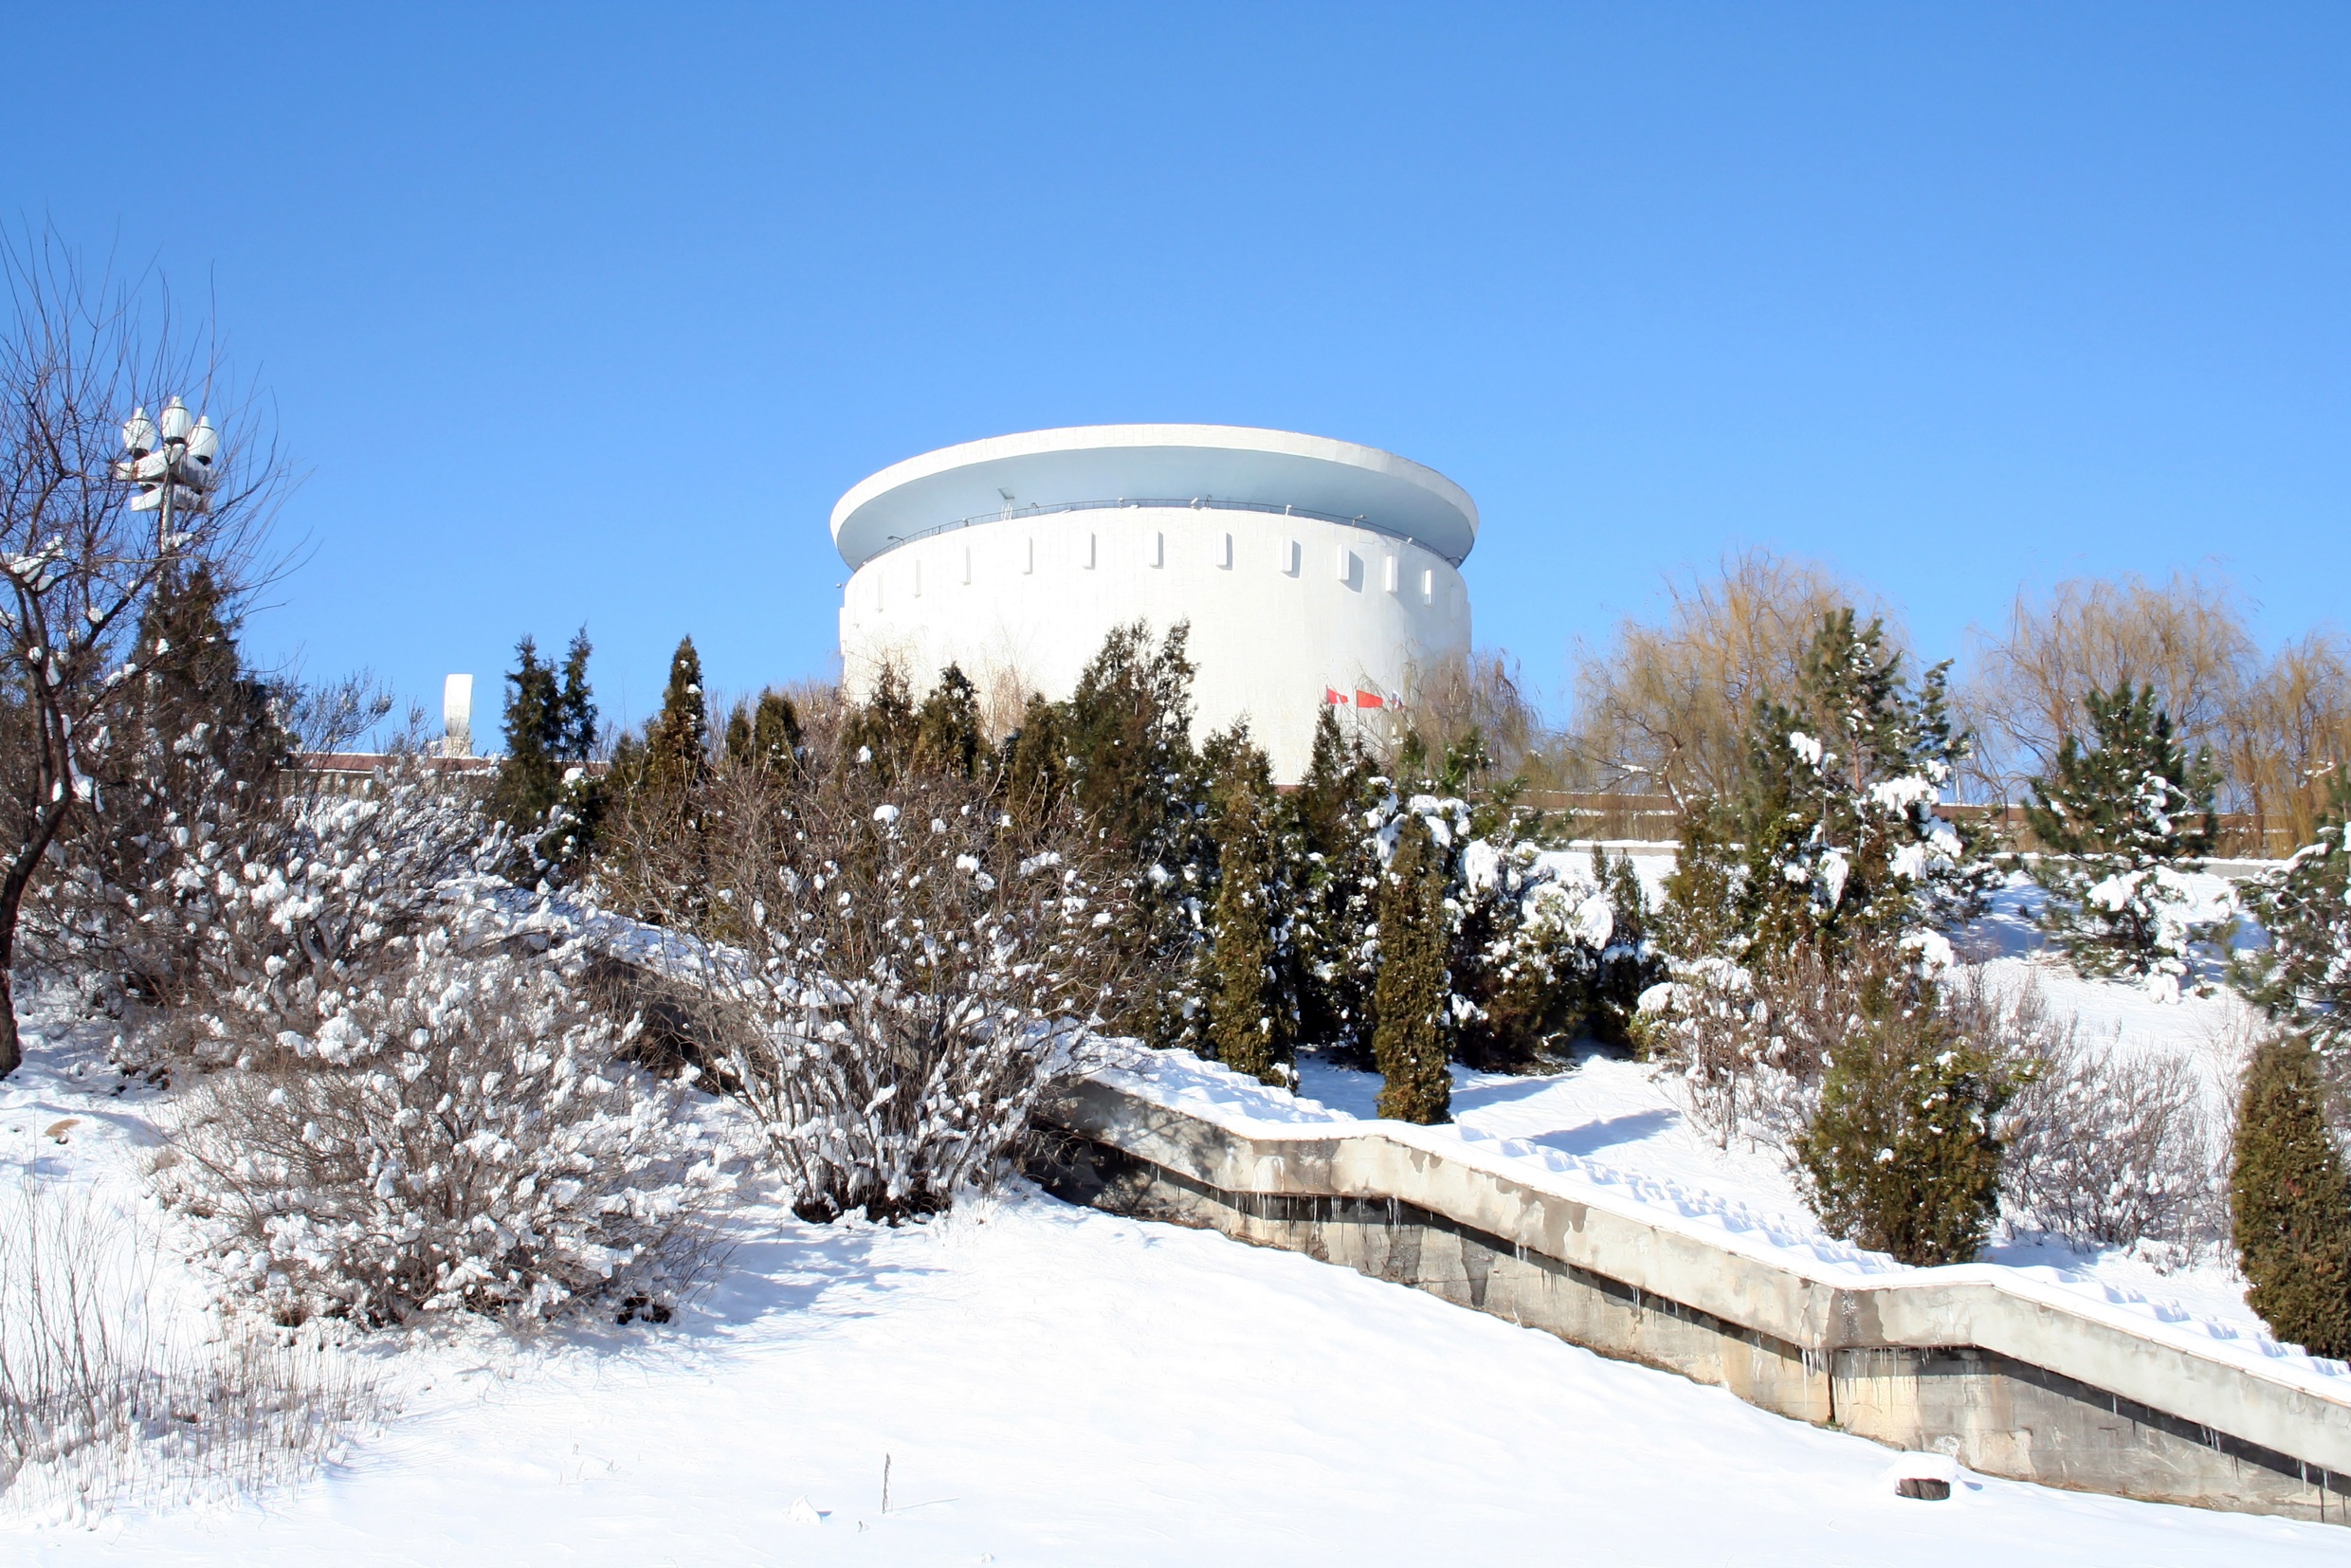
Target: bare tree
column 2185, row 637
column 82, row 543
column 2286, row 741
column 1664, row 708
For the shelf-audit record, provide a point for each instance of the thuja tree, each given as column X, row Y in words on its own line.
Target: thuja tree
column 764, row 734
column 2118, row 821
column 1250, row 1027
column 2304, row 976
column 1902, row 1154
column 2289, row 1201
column 1137, row 781
column 1334, row 882
column 1413, row 1040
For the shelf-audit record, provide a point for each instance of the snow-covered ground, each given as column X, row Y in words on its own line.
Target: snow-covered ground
column 1046, row 1384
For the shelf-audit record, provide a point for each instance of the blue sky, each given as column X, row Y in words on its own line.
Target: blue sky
column 588, row 313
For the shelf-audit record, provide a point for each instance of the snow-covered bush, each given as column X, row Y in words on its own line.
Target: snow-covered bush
column 455, row 1133
column 260, row 921
column 1747, row 1044
column 889, row 972
column 2110, row 1148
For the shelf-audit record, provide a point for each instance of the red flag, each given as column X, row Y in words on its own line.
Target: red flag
column 1336, row 698
column 1369, row 700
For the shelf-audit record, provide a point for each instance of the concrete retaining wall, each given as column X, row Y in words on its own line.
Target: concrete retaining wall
column 2005, row 1384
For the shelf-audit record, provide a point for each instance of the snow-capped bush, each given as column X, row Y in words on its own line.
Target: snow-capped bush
column 258, row 922
column 455, row 1133
column 888, row 970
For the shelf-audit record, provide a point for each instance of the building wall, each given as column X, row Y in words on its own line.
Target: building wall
column 1281, row 608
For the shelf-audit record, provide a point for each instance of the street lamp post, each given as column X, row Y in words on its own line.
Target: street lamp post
column 171, row 462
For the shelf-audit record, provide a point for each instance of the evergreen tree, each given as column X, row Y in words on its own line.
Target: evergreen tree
column 764, row 735
column 1837, row 840
column 1334, row 881
column 530, row 776
column 1901, row 1154
column 1628, row 962
column 576, row 705
column 880, row 732
column 1411, row 996
column 1140, row 784
column 947, row 735
column 1033, row 759
column 1246, row 1026
column 2289, row 1204
column 675, row 758
column 2118, row 821
column 2304, row 976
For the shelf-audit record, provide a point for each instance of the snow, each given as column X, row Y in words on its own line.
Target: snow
column 1047, row 1384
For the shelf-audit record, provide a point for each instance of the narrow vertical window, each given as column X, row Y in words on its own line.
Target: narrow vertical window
column 1388, row 575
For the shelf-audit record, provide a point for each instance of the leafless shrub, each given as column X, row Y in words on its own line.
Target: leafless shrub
column 888, row 970
column 1749, row 1044
column 2111, row 1147
column 457, row 1134
column 1480, row 691
column 107, row 1400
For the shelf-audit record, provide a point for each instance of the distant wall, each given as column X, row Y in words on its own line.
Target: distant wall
column 2007, row 1385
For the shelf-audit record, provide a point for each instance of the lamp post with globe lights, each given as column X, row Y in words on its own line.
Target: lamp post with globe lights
column 171, row 460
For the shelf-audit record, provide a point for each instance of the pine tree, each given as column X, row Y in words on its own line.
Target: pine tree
column 2117, row 822
column 1033, row 759
column 1628, row 962
column 2289, row 1204
column 1903, row 1155
column 1837, row 838
column 1247, row 1027
column 2304, row 976
column 1412, row 1039
column 575, row 704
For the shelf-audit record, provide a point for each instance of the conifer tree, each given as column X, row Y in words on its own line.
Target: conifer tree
column 1334, row 883
column 576, row 705
column 764, row 735
column 530, row 776
column 1033, row 759
column 2304, row 976
column 1412, row 1041
column 675, row 755
column 880, row 732
column 2289, row 1201
column 947, row 735
column 1902, row 1154
column 2118, row 820
column 1247, row 1027
column 1836, row 832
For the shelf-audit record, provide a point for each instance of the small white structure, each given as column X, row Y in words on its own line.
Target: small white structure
column 1312, row 571
column 456, row 716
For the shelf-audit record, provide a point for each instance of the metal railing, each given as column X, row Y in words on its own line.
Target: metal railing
column 1191, row 503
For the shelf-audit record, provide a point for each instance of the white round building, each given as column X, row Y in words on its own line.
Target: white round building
column 1312, row 571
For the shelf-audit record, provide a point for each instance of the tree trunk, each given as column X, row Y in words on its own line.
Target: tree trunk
column 11, row 1054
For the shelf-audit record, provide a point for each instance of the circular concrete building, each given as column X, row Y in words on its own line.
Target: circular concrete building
column 1311, row 570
